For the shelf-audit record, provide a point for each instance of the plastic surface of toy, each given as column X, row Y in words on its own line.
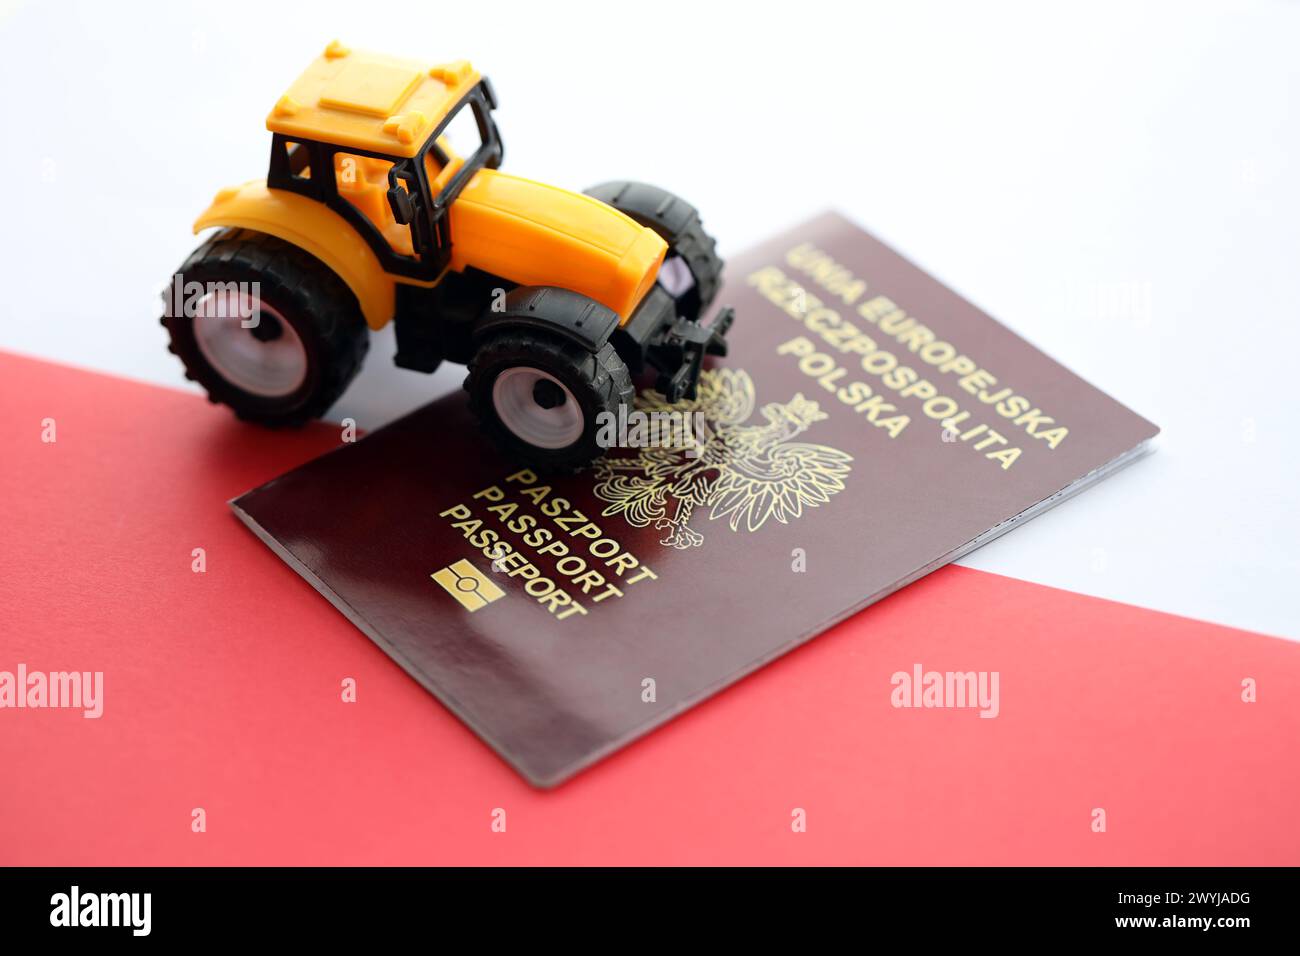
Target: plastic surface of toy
column 384, row 202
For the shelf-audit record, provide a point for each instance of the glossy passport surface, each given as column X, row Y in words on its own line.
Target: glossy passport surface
column 867, row 427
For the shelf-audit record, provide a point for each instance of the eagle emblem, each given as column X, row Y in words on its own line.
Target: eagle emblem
column 742, row 473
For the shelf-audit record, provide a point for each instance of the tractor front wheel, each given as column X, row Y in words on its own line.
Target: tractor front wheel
column 266, row 328
column 541, row 398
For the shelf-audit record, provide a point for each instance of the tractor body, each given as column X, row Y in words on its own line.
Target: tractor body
column 384, row 179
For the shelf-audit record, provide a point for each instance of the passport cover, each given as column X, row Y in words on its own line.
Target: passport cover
column 867, row 427
column 222, row 690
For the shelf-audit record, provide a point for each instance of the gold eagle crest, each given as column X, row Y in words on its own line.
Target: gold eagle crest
column 743, row 473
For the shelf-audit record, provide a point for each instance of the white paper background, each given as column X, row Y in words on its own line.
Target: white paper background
column 1115, row 181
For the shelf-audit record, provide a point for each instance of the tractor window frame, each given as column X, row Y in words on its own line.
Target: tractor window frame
column 481, row 100
column 431, row 238
column 288, row 158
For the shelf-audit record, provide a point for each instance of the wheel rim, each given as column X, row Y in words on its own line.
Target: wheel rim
column 268, row 359
column 515, row 397
column 676, row 277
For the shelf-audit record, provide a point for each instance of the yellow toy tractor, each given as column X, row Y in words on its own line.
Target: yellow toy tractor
column 384, row 202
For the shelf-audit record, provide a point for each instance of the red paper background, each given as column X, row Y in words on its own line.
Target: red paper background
column 222, row 691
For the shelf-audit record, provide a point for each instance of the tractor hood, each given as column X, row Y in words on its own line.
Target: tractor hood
column 534, row 234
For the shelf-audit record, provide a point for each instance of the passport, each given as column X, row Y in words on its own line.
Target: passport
column 867, row 427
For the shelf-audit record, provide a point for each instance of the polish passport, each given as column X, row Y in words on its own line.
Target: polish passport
column 867, row 427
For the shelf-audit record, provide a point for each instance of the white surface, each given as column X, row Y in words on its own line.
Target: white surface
column 1118, row 182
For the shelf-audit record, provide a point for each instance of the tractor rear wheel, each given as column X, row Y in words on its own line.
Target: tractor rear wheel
column 542, row 398
column 692, row 270
column 265, row 327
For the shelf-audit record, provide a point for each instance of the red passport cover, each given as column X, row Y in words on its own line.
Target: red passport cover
column 867, row 426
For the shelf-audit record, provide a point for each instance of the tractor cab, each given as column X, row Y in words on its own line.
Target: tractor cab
column 388, row 145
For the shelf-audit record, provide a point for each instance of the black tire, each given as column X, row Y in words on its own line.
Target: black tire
column 317, row 305
column 598, row 382
column 678, row 222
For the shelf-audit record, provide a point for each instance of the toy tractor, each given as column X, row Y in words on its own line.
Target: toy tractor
column 383, row 202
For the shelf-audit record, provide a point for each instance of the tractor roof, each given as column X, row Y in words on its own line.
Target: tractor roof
column 369, row 101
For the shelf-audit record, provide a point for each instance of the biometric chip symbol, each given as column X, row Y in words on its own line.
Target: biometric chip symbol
column 468, row 585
